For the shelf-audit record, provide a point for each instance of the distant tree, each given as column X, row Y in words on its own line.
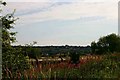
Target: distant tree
column 32, row 51
column 109, row 43
column 93, row 47
column 74, row 57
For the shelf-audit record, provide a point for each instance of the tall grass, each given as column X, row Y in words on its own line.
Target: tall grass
column 105, row 66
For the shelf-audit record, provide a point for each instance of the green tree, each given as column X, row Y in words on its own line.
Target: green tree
column 105, row 44
column 93, row 47
column 12, row 59
column 32, row 51
column 74, row 57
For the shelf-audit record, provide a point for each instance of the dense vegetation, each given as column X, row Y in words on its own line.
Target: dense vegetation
column 104, row 66
column 106, row 44
column 12, row 59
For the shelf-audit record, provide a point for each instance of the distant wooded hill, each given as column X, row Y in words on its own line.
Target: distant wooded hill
column 33, row 51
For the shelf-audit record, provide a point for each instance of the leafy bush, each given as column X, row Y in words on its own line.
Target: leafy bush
column 108, row 67
column 14, row 61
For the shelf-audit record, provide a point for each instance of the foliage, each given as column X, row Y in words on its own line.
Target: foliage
column 74, row 57
column 106, row 44
column 30, row 50
column 106, row 66
column 52, row 51
column 12, row 59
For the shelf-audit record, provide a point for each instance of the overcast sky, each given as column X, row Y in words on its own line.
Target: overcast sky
column 63, row 22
